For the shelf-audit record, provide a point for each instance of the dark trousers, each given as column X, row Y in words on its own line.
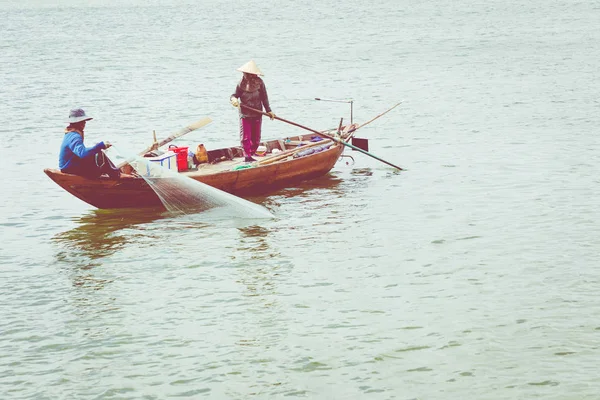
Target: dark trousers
column 92, row 166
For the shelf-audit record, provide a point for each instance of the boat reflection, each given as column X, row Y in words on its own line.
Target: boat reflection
column 362, row 172
column 329, row 183
column 260, row 270
column 99, row 233
column 254, row 242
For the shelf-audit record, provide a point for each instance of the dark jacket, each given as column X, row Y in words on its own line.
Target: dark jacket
column 253, row 95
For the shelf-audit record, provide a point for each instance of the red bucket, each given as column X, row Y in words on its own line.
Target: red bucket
column 182, row 157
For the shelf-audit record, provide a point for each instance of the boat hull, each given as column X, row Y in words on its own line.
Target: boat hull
column 134, row 192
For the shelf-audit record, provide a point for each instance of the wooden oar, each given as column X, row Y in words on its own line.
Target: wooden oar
column 192, row 127
column 324, row 135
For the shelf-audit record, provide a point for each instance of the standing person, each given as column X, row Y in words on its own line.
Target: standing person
column 77, row 159
column 251, row 91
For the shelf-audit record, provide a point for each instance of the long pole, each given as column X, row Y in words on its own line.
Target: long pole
column 351, row 102
column 325, row 136
column 383, row 113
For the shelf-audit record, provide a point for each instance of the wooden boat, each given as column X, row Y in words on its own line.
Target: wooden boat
column 223, row 171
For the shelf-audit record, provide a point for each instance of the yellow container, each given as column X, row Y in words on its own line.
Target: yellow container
column 261, row 150
column 201, row 154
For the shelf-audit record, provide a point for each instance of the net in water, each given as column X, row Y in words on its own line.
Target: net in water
column 183, row 195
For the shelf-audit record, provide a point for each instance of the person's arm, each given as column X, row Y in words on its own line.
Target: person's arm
column 265, row 100
column 233, row 99
column 78, row 148
column 264, row 97
column 237, row 93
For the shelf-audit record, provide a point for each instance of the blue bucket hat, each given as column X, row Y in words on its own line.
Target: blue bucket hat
column 78, row 115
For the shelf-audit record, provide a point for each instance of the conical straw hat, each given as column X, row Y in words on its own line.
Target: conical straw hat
column 250, row 68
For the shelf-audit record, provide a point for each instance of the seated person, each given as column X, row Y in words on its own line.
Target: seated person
column 77, row 159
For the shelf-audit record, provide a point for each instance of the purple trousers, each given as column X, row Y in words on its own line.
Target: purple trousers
column 250, row 134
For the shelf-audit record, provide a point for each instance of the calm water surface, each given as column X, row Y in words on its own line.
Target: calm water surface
column 472, row 275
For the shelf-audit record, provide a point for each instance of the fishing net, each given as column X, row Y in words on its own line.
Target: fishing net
column 183, row 195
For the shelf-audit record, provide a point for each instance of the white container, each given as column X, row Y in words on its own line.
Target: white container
column 167, row 160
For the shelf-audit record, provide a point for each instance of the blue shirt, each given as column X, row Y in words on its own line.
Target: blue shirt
column 72, row 147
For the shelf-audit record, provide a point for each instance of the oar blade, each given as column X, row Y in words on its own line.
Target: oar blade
column 197, row 125
column 192, row 127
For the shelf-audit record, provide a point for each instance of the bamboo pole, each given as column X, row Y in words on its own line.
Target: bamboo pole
column 324, row 135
